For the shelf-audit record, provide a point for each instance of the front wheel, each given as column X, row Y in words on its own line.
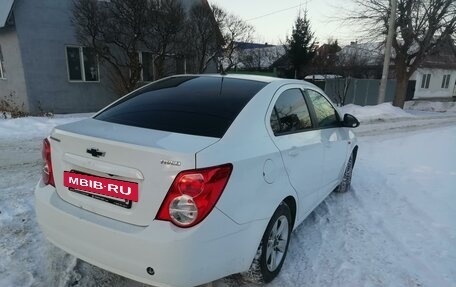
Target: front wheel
column 273, row 247
column 346, row 179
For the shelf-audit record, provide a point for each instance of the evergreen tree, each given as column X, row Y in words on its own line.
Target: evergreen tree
column 300, row 46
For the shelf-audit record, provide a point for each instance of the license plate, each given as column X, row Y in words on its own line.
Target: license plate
column 100, row 185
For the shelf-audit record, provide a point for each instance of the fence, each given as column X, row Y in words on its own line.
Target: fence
column 361, row 92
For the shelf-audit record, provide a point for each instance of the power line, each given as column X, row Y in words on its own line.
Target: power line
column 275, row 12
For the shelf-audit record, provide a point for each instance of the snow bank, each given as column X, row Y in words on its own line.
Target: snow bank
column 395, row 227
column 32, row 127
column 372, row 113
column 428, row 106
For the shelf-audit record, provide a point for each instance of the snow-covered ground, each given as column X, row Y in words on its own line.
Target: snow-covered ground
column 396, row 227
column 429, row 106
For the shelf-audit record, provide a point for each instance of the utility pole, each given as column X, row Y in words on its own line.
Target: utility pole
column 389, row 42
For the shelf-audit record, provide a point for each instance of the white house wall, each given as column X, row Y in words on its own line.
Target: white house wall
column 44, row 30
column 36, row 66
column 435, row 89
column 5, row 9
column 14, row 82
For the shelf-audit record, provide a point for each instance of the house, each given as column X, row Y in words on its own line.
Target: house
column 257, row 56
column 42, row 66
column 323, row 62
column 326, row 56
column 361, row 60
column 283, row 67
column 434, row 78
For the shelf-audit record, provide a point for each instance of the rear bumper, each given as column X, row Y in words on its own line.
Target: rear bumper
column 215, row 248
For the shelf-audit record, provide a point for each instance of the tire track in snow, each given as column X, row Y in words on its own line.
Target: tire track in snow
column 401, row 247
column 376, row 128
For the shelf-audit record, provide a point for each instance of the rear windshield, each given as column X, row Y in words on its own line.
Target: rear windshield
column 196, row 105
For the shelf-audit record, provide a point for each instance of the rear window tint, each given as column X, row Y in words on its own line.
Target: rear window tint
column 196, row 105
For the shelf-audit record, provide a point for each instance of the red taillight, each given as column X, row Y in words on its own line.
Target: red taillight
column 48, row 176
column 193, row 195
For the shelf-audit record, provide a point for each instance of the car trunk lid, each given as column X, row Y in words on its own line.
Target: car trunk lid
column 150, row 158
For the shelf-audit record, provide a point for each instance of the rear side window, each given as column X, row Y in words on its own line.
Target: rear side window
column 290, row 113
column 326, row 114
column 196, row 105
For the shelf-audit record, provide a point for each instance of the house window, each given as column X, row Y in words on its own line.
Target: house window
column 446, row 81
column 82, row 64
column 147, row 61
column 425, row 81
column 2, row 65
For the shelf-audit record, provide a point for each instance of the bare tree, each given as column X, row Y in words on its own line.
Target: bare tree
column 114, row 30
column 214, row 35
column 235, row 31
column 118, row 30
column 355, row 55
column 203, row 38
column 163, row 32
column 259, row 58
column 250, row 59
column 420, row 26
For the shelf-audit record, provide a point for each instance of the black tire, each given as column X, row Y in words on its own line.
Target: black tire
column 265, row 267
column 344, row 185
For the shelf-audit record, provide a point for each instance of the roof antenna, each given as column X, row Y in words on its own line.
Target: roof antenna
column 222, row 71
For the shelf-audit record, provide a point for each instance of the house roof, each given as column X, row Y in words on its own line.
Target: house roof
column 368, row 53
column 442, row 56
column 282, row 62
column 322, row 77
column 5, row 11
column 245, row 45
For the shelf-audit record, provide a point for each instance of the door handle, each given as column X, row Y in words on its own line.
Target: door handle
column 293, row 152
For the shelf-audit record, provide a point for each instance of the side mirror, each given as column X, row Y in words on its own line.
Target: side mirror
column 350, row 121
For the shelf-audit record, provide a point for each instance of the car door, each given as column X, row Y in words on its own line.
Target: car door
column 293, row 132
column 334, row 137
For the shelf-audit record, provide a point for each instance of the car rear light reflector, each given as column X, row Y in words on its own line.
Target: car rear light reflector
column 47, row 174
column 191, row 184
column 193, row 194
column 183, row 210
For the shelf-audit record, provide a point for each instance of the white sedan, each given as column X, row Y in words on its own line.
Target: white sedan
column 194, row 177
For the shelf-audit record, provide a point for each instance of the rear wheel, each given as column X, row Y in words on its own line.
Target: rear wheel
column 273, row 247
column 346, row 179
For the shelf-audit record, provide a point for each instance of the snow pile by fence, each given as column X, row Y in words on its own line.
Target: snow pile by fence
column 428, row 106
column 373, row 113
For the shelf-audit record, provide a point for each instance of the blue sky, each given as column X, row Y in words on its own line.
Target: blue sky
column 323, row 15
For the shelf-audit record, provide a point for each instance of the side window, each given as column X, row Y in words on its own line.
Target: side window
column 326, row 114
column 82, row 64
column 74, row 64
column 290, row 113
column 147, row 61
column 2, row 67
column 425, row 81
column 446, row 81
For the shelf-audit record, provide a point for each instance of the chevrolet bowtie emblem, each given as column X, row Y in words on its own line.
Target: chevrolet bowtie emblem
column 95, row 152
